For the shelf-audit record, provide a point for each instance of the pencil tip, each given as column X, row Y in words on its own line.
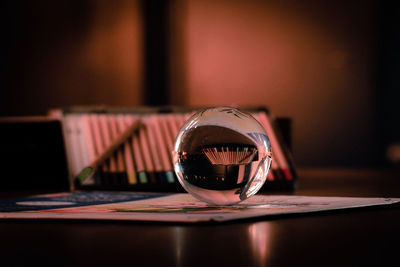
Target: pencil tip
column 83, row 175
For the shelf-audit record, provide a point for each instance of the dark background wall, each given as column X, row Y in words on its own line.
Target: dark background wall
column 62, row 53
column 331, row 66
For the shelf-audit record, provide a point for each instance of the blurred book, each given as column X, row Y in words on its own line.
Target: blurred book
column 32, row 155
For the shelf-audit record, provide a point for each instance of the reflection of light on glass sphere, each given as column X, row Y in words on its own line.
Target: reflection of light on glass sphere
column 222, row 155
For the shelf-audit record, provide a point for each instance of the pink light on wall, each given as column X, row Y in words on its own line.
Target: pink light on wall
column 308, row 61
column 112, row 53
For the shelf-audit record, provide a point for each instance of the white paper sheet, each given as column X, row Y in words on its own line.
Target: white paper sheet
column 170, row 207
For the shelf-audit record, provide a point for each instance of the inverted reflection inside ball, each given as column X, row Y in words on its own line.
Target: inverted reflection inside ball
column 222, row 156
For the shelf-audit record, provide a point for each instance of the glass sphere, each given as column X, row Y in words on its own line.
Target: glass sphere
column 222, row 155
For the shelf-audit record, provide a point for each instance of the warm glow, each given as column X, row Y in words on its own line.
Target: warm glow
column 297, row 59
column 260, row 235
column 113, row 53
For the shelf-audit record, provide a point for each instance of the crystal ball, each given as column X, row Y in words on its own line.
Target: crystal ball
column 222, row 155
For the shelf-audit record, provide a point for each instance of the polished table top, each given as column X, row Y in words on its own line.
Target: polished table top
column 358, row 237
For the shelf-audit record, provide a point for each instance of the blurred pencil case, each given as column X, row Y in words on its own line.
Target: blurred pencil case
column 143, row 162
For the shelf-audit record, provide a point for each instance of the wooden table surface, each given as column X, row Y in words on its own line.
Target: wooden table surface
column 360, row 237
